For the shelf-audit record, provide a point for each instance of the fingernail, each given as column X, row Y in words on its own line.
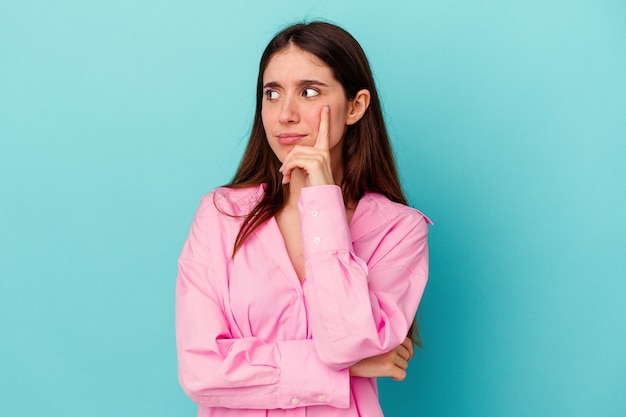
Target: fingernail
column 327, row 108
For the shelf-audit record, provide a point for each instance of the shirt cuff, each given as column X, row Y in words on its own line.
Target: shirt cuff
column 323, row 219
column 306, row 381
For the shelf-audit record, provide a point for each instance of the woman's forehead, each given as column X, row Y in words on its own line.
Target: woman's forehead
column 292, row 58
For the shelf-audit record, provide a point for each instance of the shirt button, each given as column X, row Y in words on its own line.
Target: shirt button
column 314, row 213
column 322, row 398
column 295, row 401
column 316, row 240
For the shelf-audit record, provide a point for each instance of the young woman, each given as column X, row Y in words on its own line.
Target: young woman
column 300, row 279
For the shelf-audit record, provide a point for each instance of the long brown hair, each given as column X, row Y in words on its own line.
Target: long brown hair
column 368, row 161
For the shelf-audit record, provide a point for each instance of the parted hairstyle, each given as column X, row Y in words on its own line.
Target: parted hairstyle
column 367, row 157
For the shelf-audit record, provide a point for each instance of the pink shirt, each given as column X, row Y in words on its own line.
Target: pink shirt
column 254, row 341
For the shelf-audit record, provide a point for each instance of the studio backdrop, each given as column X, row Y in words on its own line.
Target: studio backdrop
column 508, row 120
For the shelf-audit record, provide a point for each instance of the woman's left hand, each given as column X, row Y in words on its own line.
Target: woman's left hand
column 392, row 364
column 314, row 161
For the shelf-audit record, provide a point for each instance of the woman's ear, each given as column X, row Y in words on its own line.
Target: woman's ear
column 358, row 105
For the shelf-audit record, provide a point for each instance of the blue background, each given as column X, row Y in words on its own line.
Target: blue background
column 509, row 121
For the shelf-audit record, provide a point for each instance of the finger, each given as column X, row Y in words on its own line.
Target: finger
column 411, row 349
column 292, row 161
column 303, row 161
column 408, row 344
column 298, row 151
column 398, row 374
column 323, row 134
column 400, row 362
column 286, row 178
column 403, row 352
column 313, row 162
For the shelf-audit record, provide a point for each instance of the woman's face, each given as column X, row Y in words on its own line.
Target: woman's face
column 296, row 87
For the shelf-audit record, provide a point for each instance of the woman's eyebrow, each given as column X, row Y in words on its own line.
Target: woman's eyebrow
column 271, row 84
column 312, row 82
column 301, row 83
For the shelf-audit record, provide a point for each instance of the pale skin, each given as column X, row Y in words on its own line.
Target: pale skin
column 305, row 115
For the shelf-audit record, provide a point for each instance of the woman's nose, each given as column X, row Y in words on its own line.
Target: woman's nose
column 289, row 111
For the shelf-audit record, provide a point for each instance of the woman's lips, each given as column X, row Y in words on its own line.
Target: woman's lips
column 290, row 138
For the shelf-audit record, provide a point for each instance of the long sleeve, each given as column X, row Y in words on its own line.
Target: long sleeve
column 218, row 368
column 360, row 308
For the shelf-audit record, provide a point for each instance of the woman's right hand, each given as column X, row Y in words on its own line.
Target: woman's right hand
column 392, row 364
column 314, row 161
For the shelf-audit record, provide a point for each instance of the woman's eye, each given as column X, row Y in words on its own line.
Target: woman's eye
column 310, row 92
column 271, row 94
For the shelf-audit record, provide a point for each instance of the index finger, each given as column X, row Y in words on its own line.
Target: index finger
column 323, row 135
